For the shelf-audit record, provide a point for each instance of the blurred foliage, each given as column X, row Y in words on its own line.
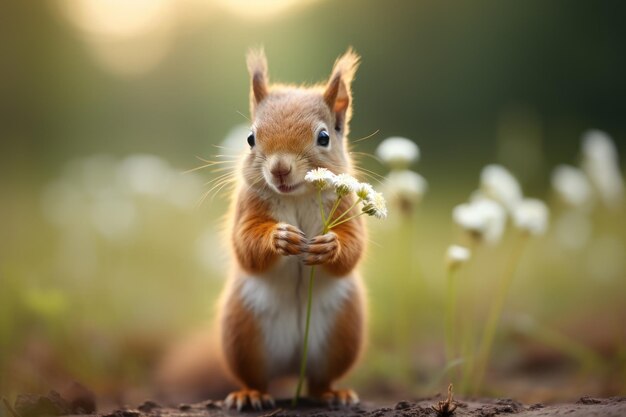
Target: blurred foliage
column 106, row 258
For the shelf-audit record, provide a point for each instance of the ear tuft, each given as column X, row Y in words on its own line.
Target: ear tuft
column 338, row 94
column 346, row 65
column 257, row 68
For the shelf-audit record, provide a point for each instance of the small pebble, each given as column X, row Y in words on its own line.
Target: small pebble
column 148, row 406
column 403, row 405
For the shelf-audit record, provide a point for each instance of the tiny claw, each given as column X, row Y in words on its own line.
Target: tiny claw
column 241, row 401
column 268, row 399
column 256, row 403
column 247, row 398
column 354, row 398
column 229, row 401
column 342, row 397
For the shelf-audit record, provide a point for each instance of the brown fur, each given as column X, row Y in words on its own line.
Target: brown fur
column 347, row 340
column 252, row 234
column 286, row 120
column 241, row 345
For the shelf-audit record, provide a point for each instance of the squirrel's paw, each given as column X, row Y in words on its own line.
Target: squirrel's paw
column 322, row 249
column 343, row 397
column 249, row 397
column 288, row 239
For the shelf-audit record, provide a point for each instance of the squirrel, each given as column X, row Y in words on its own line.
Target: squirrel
column 274, row 224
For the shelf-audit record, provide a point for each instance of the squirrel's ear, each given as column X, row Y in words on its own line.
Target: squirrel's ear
column 257, row 67
column 338, row 93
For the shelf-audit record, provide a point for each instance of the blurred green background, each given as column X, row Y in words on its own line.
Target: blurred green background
column 106, row 259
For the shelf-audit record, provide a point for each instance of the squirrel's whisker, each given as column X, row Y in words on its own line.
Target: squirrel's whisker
column 369, row 155
column 371, row 135
column 243, row 115
column 220, row 177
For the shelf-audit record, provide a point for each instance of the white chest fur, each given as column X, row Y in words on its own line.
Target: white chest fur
column 278, row 298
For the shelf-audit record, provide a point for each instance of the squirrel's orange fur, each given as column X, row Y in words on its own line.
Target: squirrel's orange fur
column 274, row 226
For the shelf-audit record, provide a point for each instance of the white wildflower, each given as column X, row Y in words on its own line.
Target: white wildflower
column 572, row 185
column 322, row 178
column 398, row 152
column 345, row 184
column 457, row 255
column 531, row 215
column 499, row 184
column 482, row 217
column 601, row 162
column 364, row 191
column 406, row 185
column 375, row 205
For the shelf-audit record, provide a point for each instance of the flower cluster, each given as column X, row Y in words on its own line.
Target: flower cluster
column 405, row 186
column 373, row 202
column 457, row 255
column 601, row 163
column 485, row 216
column 572, row 185
column 482, row 217
column 398, row 152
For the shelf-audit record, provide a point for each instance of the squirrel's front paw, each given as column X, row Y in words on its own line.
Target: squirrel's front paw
column 289, row 240
column 322, row 249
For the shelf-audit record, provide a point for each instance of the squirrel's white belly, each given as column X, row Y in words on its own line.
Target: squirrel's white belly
column 278, row 299
column 279, row 304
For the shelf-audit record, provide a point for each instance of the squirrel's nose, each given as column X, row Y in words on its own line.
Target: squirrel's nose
column 280, row 170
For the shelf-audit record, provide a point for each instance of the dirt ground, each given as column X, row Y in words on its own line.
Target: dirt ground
column 54, row 405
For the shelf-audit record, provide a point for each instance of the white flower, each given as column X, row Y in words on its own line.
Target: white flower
column 601, row 162
column 375, row 205
column 482, row 217
column 364, row 191
column 322, row 178
column 398, row 152
column 531, row 215
column 498, row 183
column 345, row 184
column 457, row 255
column 407, row 185
column 572, row 185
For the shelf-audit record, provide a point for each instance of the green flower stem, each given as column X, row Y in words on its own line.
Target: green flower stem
column 466, row 323
column 358, row 200
column 486, row 343
column 344, row 221
column 450, row 313
column 330, row 215
column 307, row 325
column 468, row 360
column 305, row 347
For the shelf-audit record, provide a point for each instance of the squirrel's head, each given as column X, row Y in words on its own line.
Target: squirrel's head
column 296, row 129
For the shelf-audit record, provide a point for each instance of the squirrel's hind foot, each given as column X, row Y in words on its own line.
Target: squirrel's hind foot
column 343, row 397
column 249, row 397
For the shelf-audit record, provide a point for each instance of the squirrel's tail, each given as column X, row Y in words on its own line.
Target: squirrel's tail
column 192, row 370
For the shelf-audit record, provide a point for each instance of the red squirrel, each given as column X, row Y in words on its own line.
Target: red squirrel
column 275, row 225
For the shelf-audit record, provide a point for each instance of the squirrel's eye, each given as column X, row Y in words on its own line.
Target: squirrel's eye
column 323, row 139
column 251, row 140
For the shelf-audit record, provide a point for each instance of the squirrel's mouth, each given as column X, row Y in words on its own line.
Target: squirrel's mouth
column 286, row 189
